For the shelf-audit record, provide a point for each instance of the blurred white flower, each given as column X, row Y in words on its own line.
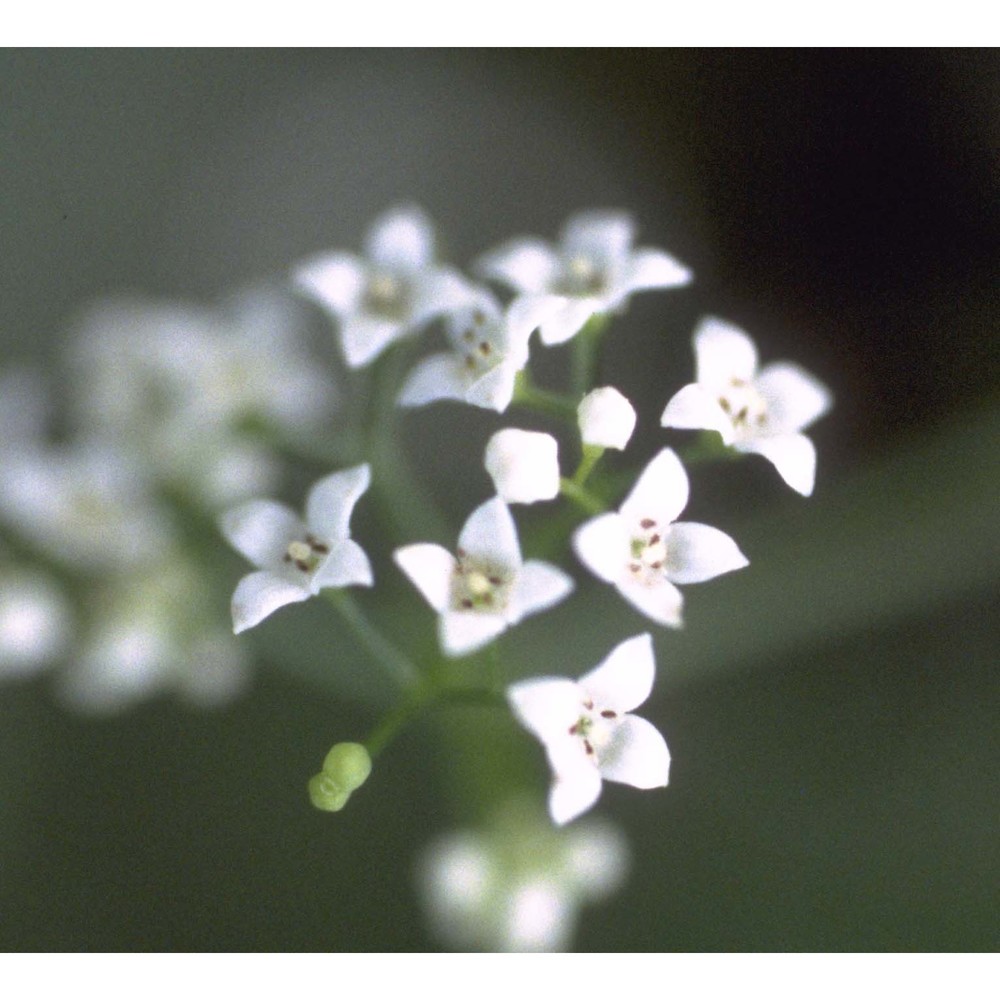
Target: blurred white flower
column 606, row 418
column 519, row 884
column 594, row 270
column 89, row 506
column 489, row 346
column 644, row 553
column 152, row 634
column 389, row 293
column 297, row 558
column 588, row 732
column 177, row 385
column 524, row 465
column 762, row 412
column 35, row 622
column 488, row 587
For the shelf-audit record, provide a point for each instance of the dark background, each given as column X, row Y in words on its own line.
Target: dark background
column 831, row 714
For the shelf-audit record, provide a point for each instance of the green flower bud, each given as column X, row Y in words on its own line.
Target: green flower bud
column 348, row 765
column 326, row 794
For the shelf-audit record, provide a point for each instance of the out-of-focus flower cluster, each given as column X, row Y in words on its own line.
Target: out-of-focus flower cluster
column 176, row 422
column 157, row 416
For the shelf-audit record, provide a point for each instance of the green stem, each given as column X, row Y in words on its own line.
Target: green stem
column 381, row 649
column 405, row 502
column 590, row 457
column 583, row 363
column 582, row 497
column 552, row 404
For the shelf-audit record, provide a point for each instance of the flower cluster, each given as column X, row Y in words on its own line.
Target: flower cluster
column 187, row 416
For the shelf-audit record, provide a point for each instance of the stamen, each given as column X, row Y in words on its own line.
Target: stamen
column 609, row 714
column 647, row 523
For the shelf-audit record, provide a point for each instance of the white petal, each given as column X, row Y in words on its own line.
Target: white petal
column 624, row 678
column 546, row 706
column 524, row 465
column 660, row 601
column 438, row 292
column 525, row 315
column 661, row 491
column 495, row 389
column 606, row 418
column 363, row 337
column 574, row 792
column 260, row 594
column 439, row 376
column 568, row 318
column 794, row 398
column 260, row 530
column 335, row 281
column 539, row 916
column 637, row 755
column 601, row 234
column 346, row 565
column 430, row 569
column 332, row 498
column 538, row 586
column 491, row 535
column 462, row 632
column 401, row 238
column 649, row 268
column 526, row 265
column 723, row 352
column 696, row 552
column 602, row 545
column 695, row 407
column 793, row 455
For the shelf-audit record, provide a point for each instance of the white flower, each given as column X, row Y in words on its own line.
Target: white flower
column 518, row 884
column 489, row 346
column 89, row 505
column 587, row 731
column 382, row 298
column 151, row 634
column 524, row 465
column 762, row 412
column 487, row 588
column 35, row 623
column 643, row 553
column 594, row 270
column 606, row 418
column 297, row 558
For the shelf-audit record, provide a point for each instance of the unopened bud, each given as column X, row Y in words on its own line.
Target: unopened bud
column 348, row 764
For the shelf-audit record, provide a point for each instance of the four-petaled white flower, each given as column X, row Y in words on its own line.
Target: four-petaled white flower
column 606, row 418
column 382, row 298
column 594, row 270
column 297, row 558
column 489, row 346
column 762, row 412
column 644, row 553
column 486, row 587
column 587, row 729
column 524, row 465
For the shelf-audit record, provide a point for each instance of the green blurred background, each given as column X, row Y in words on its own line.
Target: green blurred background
column 831, row 712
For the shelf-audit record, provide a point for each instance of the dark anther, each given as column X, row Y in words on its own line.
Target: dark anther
column 319, row 547
column 646, row 523
column 466, row 602
column 302, row 565
column 588, row 747
column 495, row 580
column 653, row 539
column 608, row 714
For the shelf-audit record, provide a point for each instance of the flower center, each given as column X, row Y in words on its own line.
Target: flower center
column 478, row 587
column 745, row 406
column 647, row 552
column 594, row 728
column 479, row 352
column 386, row 295
column 307, row 554
column 580, row 276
